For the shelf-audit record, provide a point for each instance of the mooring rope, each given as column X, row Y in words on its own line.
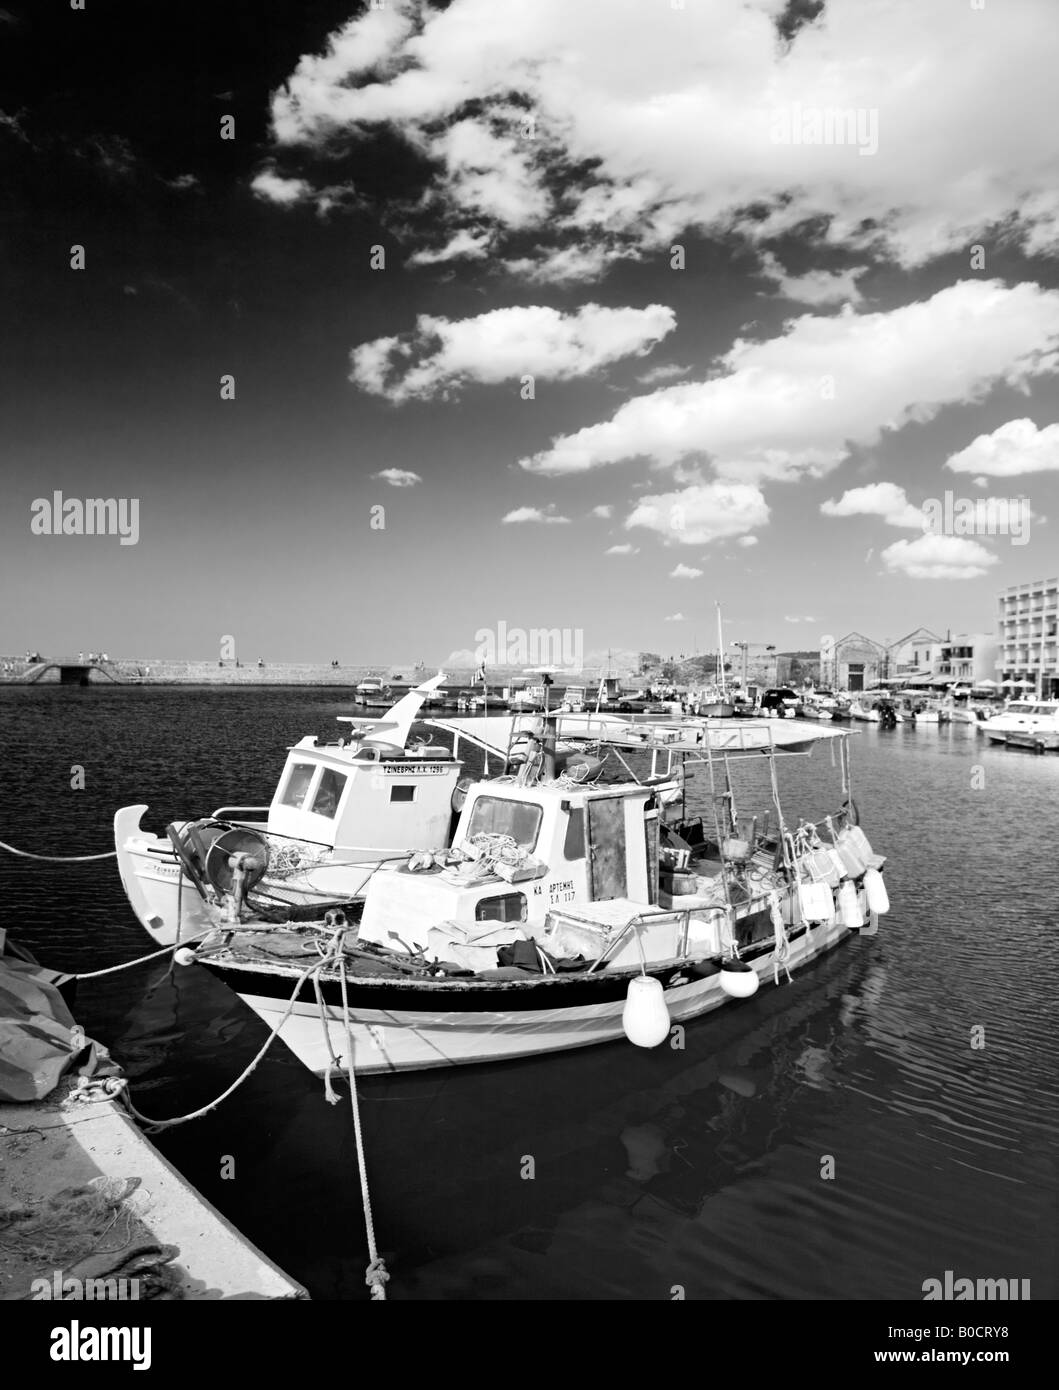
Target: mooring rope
column 58, row 858
column 205, row 1109
column 376, row 1276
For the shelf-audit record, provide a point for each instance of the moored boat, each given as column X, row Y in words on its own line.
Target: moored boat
column 567, row 909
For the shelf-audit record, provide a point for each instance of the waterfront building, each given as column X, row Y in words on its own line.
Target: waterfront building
column 1028, row 641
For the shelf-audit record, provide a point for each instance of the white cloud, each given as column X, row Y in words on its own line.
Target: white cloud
column 505, row 344
column 794, row 404
column 465, row 245
column 604, row 510
column 817, row 286
column 398, row 477
column 274, row 188
column 521, row 515
column 622, row 550
column 686, row 572
column 615, row 136
column 702, row 513
column 938, row 557
column 747, row 540
column 877, row 499
column 674, row 618
column 792, row 618
column 666, row 371
column 1017, row 447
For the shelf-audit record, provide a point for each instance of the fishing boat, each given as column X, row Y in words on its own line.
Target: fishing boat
column 567, row 909
column 340, row 809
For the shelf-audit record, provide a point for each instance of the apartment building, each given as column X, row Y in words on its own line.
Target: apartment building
column 1028, row 641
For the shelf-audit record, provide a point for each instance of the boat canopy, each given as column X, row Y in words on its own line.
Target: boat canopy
column 495, row 734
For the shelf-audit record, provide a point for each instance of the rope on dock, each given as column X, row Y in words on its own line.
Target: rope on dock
column 376, row 1276
column 58, row 858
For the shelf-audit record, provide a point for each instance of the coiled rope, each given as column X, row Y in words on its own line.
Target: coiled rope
column 57, row 858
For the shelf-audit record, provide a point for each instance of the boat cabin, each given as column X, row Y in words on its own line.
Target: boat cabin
column 571, row 845
column 352, row 795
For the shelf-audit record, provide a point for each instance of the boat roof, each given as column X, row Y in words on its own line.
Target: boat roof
column 677, row 734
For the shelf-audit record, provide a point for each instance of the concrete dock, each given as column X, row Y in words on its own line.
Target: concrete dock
column 90, row 1209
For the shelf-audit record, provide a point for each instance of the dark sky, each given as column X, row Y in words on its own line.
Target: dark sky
column 254, row 513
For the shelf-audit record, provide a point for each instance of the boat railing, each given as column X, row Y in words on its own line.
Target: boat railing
column 238, row 812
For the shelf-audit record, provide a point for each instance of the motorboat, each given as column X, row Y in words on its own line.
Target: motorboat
column 1027, row 721
column 567, row 908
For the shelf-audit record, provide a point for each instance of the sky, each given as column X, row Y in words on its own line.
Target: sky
column 563, row 314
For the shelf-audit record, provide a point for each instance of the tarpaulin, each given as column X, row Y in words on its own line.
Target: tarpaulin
column 39, row 1039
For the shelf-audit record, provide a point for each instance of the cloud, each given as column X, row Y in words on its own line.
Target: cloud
column 702, row 513
column 465, row 245
column 789, row 618
column 1017, row 447
column 877, row 499
column 613, row 138
column 686, row 572
column 666, row 371
column 817, row 286
column 524, row 514
column 747, row 540
column 795, row 403
column 674, row 618
column 398, row 477
column 441, row 354
column 604, row 510
column 184, row 183
column 274, row 188
column 622, row 550
column 938, row 557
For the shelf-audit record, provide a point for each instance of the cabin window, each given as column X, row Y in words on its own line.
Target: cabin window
column 574, row 844
column 328, row 794
column 403, row 793
column 494, row 815
column 505, row 907
column 301, row 774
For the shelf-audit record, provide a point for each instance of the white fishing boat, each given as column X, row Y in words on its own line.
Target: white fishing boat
column 340, row 810
column 567, row 909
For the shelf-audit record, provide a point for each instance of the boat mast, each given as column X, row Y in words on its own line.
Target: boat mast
column 720, row 653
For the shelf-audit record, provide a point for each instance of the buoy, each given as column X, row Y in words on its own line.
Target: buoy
column 185, row 956
column 738, row 979
column 848, row 905
column 645, row 1017
column 875, row 891
column 871, row 926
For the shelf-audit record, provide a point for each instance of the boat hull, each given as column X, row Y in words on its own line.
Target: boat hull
column 400, row 1038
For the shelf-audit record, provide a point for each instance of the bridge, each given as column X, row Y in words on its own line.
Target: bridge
column 71, row 671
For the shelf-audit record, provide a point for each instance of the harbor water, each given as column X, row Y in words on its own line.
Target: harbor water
column 889, row 1116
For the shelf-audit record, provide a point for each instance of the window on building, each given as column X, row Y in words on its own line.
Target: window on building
column 298, row 779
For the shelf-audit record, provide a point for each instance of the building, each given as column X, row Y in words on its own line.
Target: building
column 854, row 663
column 915, row 654
column 1027, row 642
column 967, row 658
